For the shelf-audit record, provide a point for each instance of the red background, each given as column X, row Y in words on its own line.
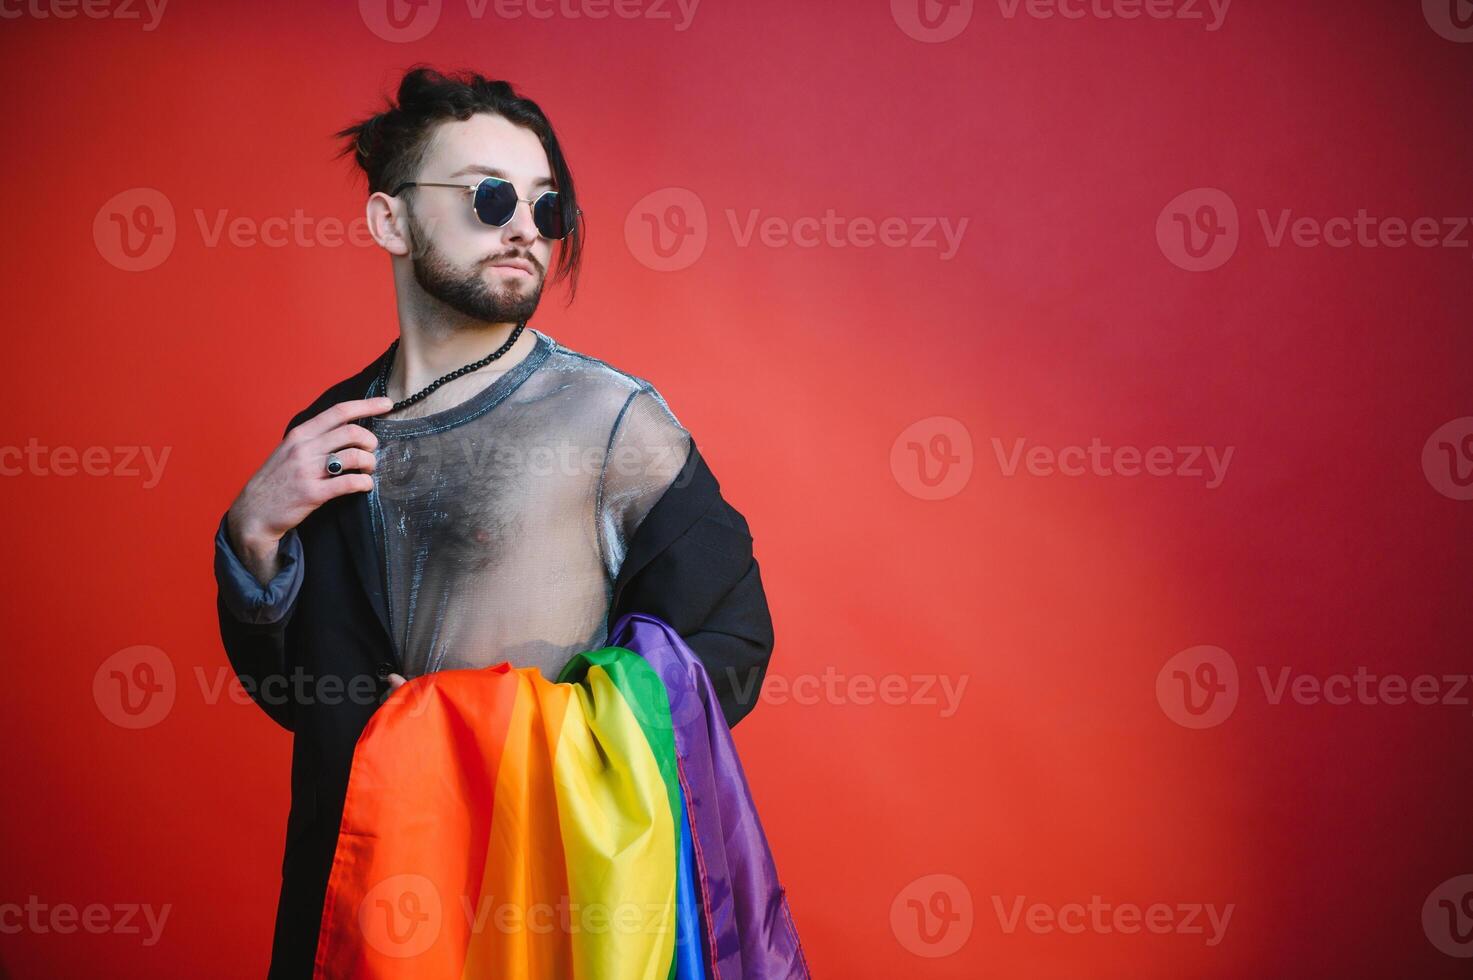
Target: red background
column 1059, row 320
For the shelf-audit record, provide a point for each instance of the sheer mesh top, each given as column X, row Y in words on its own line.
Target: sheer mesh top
column 503, row 520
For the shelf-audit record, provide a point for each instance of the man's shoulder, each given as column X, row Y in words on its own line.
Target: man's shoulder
column 600, row 374
column 615, row 389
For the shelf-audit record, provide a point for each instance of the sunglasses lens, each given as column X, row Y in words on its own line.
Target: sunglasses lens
column 547, row 215
column 496, row 200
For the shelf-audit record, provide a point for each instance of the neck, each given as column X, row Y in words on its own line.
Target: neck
column 429, row 350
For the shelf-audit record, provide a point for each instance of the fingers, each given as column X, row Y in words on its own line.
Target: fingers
column 396, row 681
column 335, row 416
column 294, row 481
column 342, row 484
column 340, row 438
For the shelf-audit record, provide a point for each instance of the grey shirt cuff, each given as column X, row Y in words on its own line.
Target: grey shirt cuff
column 243, row 595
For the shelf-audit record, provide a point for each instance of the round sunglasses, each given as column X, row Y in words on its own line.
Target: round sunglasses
column 494, row 201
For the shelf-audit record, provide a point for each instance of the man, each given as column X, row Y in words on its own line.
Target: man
column 478, row 493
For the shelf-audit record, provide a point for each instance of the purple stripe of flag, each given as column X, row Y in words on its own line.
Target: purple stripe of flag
column 746, row 911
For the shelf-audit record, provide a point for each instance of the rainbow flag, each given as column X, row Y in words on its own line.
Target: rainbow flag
column 501, row 825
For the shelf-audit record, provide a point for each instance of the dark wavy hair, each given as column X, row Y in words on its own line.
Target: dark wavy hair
column 389, row 147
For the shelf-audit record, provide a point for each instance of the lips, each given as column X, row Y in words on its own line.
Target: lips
column 518, row 265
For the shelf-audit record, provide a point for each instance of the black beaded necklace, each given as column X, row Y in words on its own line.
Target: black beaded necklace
column 383, row 374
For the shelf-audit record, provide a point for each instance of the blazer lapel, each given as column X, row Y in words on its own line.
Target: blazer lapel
column 354, row 522
column 352, row 515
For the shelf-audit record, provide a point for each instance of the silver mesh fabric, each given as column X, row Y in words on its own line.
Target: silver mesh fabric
column 503, row 517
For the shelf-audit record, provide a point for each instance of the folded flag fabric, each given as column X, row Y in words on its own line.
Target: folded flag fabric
column 501, row 825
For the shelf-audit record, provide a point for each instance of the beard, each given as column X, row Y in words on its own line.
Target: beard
column 465, row 290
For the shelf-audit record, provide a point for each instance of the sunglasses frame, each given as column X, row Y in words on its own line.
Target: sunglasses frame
column 473, row 188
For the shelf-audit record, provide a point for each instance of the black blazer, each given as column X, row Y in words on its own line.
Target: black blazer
column 320, row 671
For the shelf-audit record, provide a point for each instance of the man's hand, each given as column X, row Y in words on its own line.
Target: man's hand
column 293, row 482
column 396, row 681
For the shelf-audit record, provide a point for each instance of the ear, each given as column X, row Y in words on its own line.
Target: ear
column 388, row 223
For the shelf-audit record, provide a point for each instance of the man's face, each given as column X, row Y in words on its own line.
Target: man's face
column 459, row 260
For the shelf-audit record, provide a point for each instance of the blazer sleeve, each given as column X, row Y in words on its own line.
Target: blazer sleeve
column 246, row 597
column 707, row 585
column 735, row 642
column 255, row 623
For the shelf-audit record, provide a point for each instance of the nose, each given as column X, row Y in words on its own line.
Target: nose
column 521, row 227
